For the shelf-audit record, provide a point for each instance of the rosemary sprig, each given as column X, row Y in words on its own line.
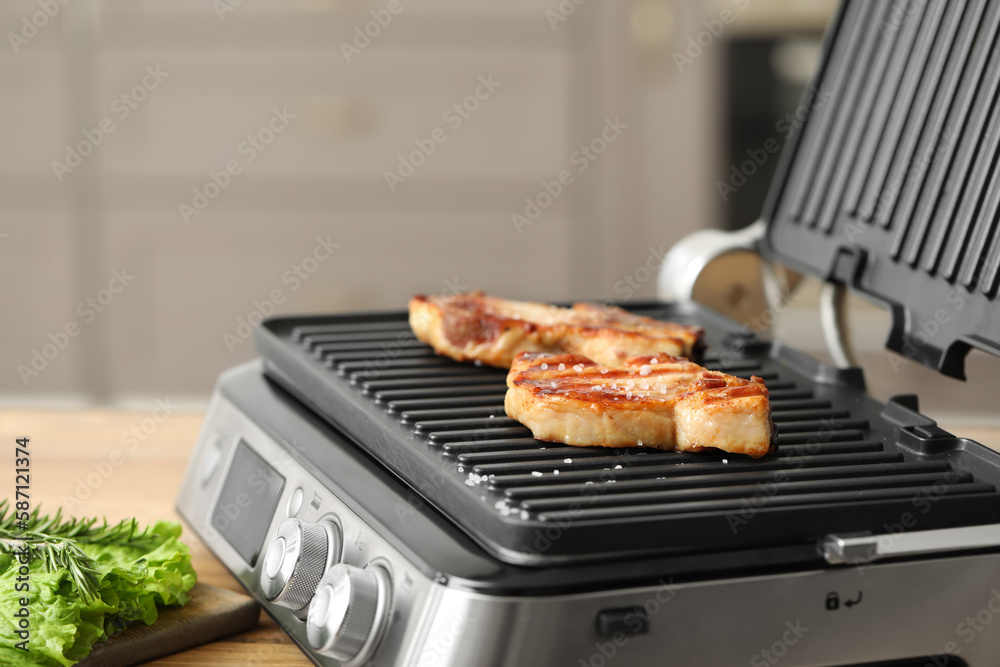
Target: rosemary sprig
column 56, row 541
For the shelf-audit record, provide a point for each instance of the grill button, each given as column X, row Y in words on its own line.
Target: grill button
column 294, row 563
column 348, row 613
column 630, row 621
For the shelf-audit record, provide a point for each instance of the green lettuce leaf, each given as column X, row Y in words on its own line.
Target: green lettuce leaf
column 64, row 626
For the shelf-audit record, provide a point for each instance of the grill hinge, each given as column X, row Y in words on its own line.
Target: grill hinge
column 863, row 549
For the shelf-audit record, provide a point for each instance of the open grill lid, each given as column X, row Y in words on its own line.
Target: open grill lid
column 846, row 464
column 891, row 185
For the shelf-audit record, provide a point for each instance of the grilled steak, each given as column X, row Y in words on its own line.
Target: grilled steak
column 650, row 401
column 476, row 327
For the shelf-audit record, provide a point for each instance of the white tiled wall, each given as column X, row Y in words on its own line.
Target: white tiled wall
column 324, row 175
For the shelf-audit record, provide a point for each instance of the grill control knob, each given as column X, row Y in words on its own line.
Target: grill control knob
column 349, row 611
column 295, row 561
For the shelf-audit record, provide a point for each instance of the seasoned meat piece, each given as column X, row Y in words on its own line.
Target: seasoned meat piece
column 651, row 401
column 476, row 327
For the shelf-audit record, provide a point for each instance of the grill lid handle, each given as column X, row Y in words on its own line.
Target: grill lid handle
column 865, row 549
column 687, row 260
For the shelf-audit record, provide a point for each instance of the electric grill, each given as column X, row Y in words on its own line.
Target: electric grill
column 378, row 502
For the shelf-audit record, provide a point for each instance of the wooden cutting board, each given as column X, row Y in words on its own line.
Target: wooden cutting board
column 212, row 613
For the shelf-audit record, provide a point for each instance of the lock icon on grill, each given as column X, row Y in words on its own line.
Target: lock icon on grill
column 832, row 602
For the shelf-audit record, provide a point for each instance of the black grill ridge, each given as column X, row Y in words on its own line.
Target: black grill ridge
column 450, row 417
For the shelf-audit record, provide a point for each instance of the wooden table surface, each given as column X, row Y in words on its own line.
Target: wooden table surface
column 69, row 445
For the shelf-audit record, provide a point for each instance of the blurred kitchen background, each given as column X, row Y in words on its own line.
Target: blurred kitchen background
column 306, row 219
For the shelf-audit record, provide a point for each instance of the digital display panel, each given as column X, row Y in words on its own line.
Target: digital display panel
column 247, row 502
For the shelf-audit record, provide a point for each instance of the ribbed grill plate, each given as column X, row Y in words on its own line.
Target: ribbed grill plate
column 440, row 426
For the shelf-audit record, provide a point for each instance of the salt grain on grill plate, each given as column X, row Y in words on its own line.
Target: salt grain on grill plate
column 535, row 473
column 618, row 467
column 567, row 460
column 503, row 508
